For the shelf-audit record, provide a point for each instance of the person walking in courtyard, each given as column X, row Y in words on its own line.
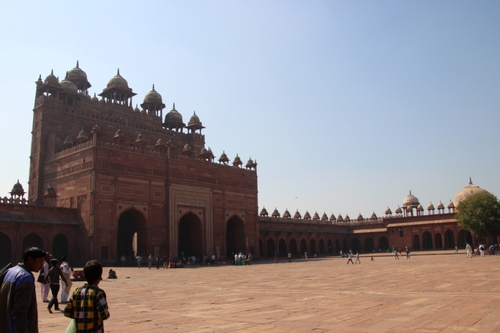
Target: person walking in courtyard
column 357, row 259
column 53, row 278
column 139, row 259
column 150, row 260
column 67, row 271
column 18, row 309
column 407, row 250
column 349, row 255
column 395, row 254
column 44, row 285
column 88, row 306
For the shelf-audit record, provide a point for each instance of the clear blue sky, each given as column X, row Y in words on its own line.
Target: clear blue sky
column 345, row 105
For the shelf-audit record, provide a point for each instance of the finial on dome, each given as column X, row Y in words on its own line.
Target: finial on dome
column 118, row 72
column 52, row 71
column 77, row 64
column 153, row 86
column 470, row 181
column 173, row 108
column 410, row 192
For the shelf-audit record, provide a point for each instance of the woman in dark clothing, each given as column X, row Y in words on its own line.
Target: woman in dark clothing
column 53, row 278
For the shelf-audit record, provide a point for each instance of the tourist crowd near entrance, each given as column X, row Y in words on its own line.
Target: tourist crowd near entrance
column 110, row 180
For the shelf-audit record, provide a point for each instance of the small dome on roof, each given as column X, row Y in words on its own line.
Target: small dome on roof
column 451, row 205
column 286, row 214
column 420, row 208
column 82, row 136
column 324, row 217
column 17, row 189
column 398, row 210
column 276, row 213
column 50, row 192
column 315, row 216
column 440, row 206
column 173, row 117
column 360, row 217
column 194, row 120
column 388, row 211
column 153, row 96
column 264, row 212
column 51, row 79
column 76, row 73
column 332, row 218
column 68, row 85
column 95, row 99
column 467, row 192
column 307, row 216
column 237, row 161
column 68, row 142
column 410, row 200
column 430, row 207
column 347, row 218
column 223, row 158
column 118, row 81
column 374, row 216
column 340, row 218
column 297, row 215
column 96, row 129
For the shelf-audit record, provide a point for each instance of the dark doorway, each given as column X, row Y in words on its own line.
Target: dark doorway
column 191, row 236
column 321, row 246
column 355, row 245
column 427, row 241
column 369, row 246
column 131, row 223
column 449, row 240
column 282, row 248
column 270, row 248
column 330, row 247
column 303, row 246
column 416, row 242
column 235, row 237
column 32, row 240
column 383, row 244
column 60, row 247
column 439, row 241
column 464, row 236
column 293, row 246
column 5, row 250
column 313, row 246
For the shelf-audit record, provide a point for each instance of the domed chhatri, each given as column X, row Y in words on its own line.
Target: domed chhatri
column 52, row 79
column 410, row 201
column 467, row 192
column 17, row 190
column 173, row 120
column 153, row 96
column 118, row 81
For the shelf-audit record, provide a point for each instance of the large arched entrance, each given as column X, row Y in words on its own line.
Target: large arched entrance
column 439, row 241
column 355, row 245
column 282, row 248
column 369, row 246
column 427, row 241
column 416, row 242
column 32, row 240
column 449, row 240
column 270, row 248
column 132, row 235
column 5, row 250
column 191, row 236
column 312, row 245
column 293, row 246
column 464, row 236
column 235, row 237
column 321, row 246
column 60, row 246
column 383, row 244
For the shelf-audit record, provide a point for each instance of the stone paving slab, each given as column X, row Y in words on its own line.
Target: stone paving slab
column 431, row 292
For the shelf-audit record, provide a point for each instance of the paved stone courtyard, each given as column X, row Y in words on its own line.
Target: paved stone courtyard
column 431, row 292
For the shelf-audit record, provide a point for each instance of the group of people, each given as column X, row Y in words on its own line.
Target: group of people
column 18, row 306
column 242, row 259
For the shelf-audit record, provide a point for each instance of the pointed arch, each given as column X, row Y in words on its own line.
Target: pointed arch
column 60, row 246
column 235, row 236
column 190, row 236
column 32, row 240
column 132, row 234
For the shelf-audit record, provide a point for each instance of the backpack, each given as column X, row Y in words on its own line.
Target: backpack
column 4, row 271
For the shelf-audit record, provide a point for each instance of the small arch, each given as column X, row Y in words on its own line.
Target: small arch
column 312, row 244
column 449, row 240
column 190, row 236
column 439, row 241
column 293, row 246
column 303, row 246
column 32, row 240
column 427, row 240
column 282, row 248
column 330, row 247
column 464, row 236
column 355, row 245
column 271, row 248
column 235, row 237
column 383, row 244
column 369, row 245
column 322, row 246
column 416, row 242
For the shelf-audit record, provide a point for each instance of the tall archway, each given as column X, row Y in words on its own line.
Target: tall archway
column 449, row 240
column 439, row 241
column 416, row 242
column 293, row 247
column 303, row 246
column 383, row 244
column 427, row 241
column 32, row 240
column 282, row 248
column 271, row 248
column 191, row 236
column 464, row 236
column 60, row 246
column 337, row 246
column 355, row 245
column 344, row 246
column 321, row 246
column 369, row 245
column 5, row 250
column 132, row 235
column 235, row 237
column 312, row 245
column 330, row 247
